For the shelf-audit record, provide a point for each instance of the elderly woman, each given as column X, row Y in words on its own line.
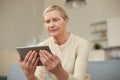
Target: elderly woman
column 70, row 52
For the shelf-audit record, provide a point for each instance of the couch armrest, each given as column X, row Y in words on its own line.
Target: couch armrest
column 16, row 73
column 104, row 70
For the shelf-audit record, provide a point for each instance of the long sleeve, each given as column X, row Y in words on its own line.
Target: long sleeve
column 40, row 73
column 80, row 69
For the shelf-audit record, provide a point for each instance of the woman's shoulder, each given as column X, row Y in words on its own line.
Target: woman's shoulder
column 79, row 38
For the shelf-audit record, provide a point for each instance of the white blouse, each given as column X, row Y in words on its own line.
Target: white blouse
column 73, row 55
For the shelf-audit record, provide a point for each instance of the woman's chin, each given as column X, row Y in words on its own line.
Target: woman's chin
column 54, row 34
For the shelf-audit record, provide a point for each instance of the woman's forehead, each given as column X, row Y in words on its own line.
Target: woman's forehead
column 54, row 13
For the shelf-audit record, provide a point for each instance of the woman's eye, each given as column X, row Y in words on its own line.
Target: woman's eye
column 47, row 21
column 55, row 20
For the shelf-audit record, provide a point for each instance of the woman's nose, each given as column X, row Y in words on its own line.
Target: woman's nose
column 51, row 24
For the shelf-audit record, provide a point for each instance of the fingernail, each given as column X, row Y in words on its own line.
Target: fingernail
column 40, row 52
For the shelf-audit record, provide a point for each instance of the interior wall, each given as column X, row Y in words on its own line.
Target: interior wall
column 20, row 22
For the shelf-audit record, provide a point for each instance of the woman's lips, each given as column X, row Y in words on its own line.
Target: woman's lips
column 53, row 30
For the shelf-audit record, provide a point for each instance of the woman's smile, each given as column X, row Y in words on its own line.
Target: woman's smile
column 53, row 30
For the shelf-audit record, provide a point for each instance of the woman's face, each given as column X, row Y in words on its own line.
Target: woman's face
column 54, row 23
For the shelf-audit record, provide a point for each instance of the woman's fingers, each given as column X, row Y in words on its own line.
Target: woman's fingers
column 42, row 59
column 34, row 60
column 47, row 55
column 37, row 60
column 49, row 61
column 45, row 59
column 57, row 59
column 27, row 56
column 20, row 59
column 31, row 60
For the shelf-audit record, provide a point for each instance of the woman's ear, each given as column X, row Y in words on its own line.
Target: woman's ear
column 66, row 20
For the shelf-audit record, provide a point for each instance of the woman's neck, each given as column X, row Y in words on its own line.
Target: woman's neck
column 61, row 39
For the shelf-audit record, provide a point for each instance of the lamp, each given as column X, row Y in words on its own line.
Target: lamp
column 75, row 3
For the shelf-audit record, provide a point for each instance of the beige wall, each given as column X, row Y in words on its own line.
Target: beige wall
column 20, row 21
column 7, row 58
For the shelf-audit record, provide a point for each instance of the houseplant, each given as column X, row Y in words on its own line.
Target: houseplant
column 97, row 46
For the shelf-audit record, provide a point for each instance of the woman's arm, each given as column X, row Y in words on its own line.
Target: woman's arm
column 80, row 69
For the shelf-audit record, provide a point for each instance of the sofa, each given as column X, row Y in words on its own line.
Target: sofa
column 16, row 73
column 104, row 70
column 3, row 77
column 99, row 70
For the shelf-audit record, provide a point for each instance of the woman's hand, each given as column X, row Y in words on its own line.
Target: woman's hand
column 29, row 64
column 53, row 64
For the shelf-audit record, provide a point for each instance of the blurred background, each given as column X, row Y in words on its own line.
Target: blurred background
column 21, row 24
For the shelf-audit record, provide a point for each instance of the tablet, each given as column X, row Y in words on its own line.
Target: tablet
column 24, row 50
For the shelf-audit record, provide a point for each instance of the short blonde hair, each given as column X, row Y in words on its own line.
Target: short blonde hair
column 57, row 8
